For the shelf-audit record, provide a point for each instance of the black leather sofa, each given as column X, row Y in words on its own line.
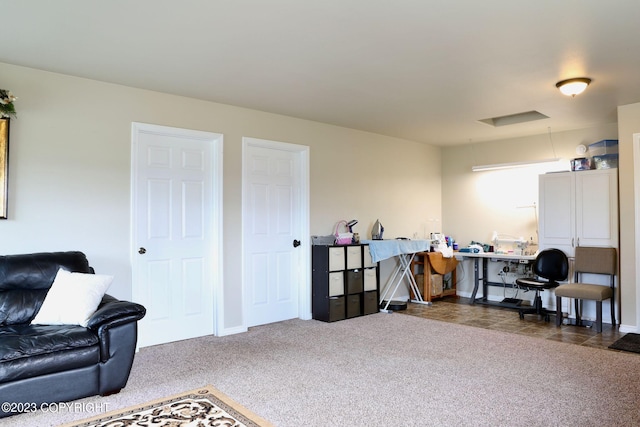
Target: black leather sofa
column 41, row 364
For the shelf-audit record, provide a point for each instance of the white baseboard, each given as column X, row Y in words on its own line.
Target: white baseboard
column 306, row 316
column 629, row 329
column 232, row 331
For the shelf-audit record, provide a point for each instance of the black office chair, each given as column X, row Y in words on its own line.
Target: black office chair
column 549, row 267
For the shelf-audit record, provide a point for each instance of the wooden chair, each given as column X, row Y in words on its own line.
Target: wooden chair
column 595, row 261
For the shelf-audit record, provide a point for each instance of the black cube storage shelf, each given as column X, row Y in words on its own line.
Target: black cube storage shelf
column 345, row 282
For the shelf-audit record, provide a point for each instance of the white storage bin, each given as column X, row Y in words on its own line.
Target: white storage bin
column 368, row 262
column 336, row 284
column 354, row 257
column 370, row 279
column 336, row 259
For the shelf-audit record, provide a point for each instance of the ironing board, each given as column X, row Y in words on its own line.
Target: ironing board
column 405, row 251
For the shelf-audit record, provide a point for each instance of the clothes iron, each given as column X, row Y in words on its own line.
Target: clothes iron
column 377, row 231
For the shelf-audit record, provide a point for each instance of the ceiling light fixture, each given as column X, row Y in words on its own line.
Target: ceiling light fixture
column 573, row 87
column 511, row 165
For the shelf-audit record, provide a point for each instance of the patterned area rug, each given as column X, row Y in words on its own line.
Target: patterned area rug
column 629, row 342
column 205, row 406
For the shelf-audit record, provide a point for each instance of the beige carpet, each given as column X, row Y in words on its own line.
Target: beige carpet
column 204, row 406
column 387, row 369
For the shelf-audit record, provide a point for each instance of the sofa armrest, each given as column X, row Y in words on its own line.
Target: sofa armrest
column 115, row 312
column 111, row 314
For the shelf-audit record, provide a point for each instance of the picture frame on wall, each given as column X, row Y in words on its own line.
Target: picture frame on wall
column 4, row 166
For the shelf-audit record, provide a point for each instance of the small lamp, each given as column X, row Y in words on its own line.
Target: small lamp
column 573, row 87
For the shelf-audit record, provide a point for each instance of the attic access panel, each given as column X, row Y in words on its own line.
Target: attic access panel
column 513, row 119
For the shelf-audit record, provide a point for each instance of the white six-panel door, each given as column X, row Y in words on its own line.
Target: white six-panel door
column 274, row 216
column 175, row 213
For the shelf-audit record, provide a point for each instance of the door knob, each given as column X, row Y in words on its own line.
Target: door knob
column 296, row 243
column 142, row 251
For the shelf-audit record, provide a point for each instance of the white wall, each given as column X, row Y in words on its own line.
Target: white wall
column 69, row 180
column 474, row 204
column 628, row 123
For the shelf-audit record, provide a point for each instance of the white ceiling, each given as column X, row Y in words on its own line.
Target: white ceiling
column 417, row 69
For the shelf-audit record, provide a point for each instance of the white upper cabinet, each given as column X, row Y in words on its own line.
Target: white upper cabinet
column 578, row 209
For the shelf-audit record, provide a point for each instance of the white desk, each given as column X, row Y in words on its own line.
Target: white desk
column 405, row 251
column 485, row 257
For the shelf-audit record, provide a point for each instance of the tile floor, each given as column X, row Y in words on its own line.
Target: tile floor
column 458, row 310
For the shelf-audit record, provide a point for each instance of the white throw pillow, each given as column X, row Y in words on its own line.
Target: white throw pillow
column 72, row 298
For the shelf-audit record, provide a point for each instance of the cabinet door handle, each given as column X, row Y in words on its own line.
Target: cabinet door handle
column 572, row 241
column 296, row 243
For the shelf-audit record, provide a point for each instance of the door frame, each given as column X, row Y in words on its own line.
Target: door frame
column 216, row 237
column 304, row 270
column 636, row 192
